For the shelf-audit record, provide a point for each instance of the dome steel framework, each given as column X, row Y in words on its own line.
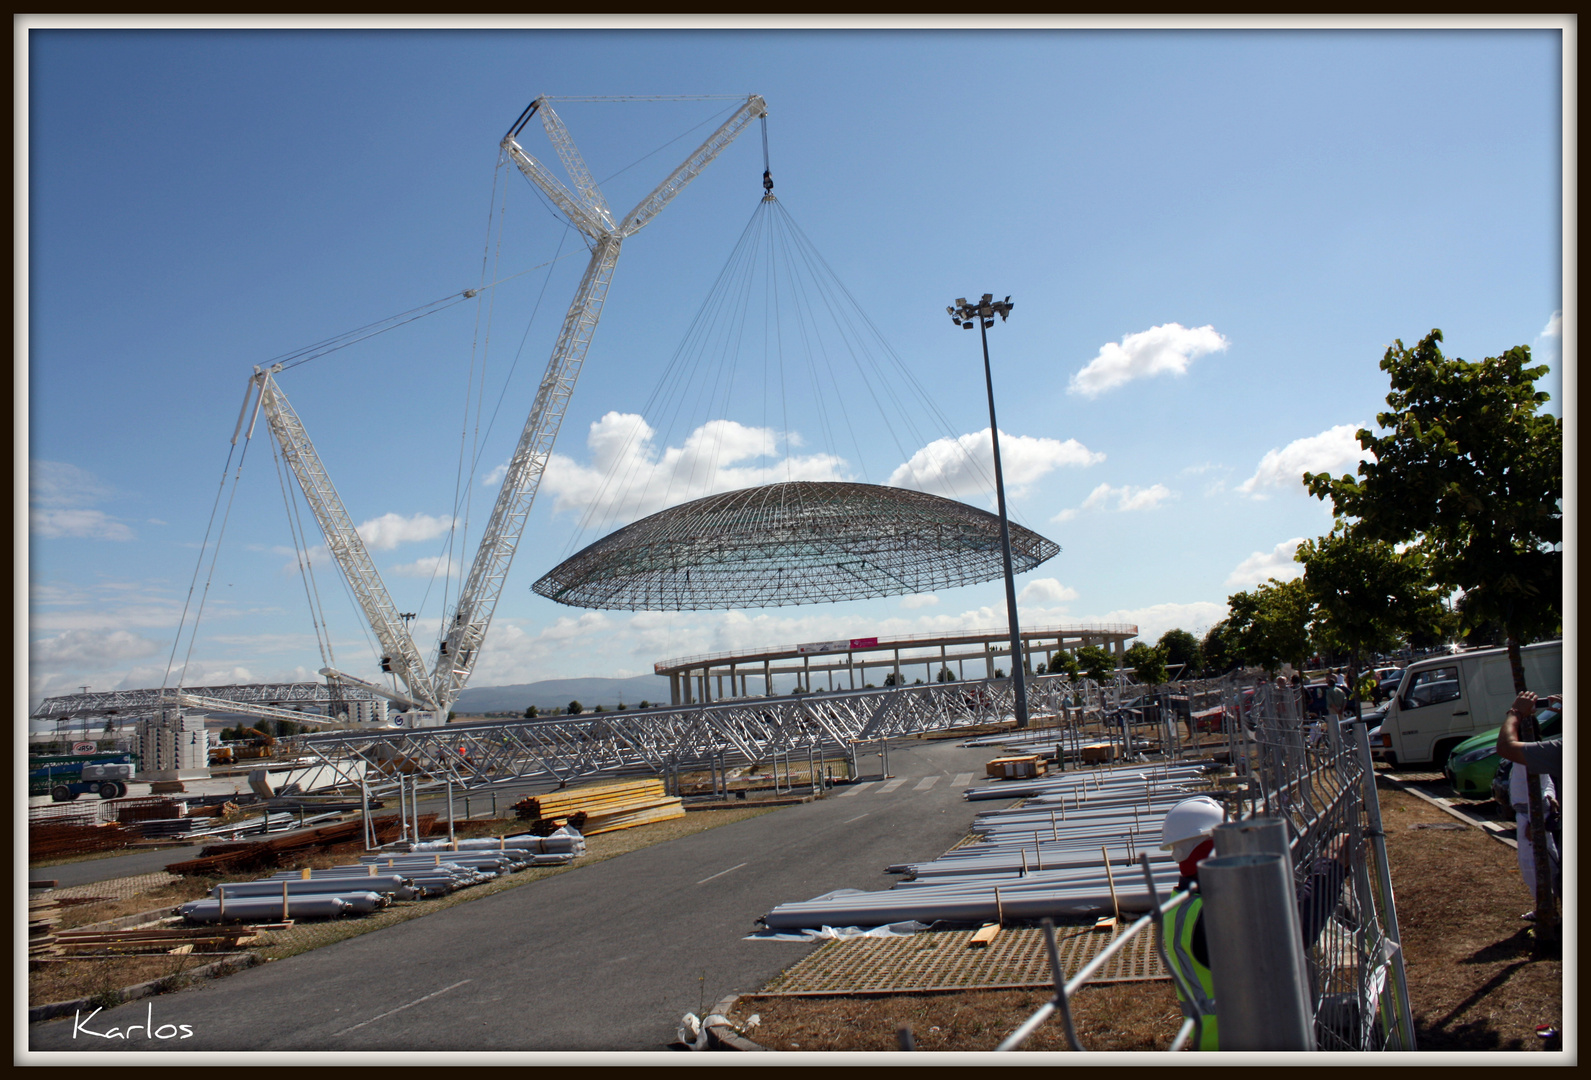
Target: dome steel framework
column 801, row 542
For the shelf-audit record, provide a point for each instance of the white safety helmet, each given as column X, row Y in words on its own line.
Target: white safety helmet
column 1187, row 824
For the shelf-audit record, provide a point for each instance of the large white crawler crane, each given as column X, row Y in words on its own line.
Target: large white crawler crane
column 432, row 689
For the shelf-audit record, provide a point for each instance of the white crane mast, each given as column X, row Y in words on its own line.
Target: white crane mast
column 464, row 628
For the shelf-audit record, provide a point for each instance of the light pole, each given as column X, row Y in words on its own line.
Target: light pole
column 982, row 313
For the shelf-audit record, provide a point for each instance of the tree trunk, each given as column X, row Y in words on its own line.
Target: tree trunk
column 1546, row 902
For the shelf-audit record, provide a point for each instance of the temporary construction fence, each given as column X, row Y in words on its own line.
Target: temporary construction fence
column 1305, row 799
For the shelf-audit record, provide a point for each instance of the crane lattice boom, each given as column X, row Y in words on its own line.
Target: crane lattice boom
column 464, row 628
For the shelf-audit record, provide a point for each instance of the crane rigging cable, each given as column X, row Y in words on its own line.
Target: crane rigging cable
column 778, row 335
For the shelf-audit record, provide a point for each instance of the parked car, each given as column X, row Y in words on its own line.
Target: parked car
column 1472, row 766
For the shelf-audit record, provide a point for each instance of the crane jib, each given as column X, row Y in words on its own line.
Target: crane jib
column 464, row 629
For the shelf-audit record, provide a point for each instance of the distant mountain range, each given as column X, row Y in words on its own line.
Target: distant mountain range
column 556, row 694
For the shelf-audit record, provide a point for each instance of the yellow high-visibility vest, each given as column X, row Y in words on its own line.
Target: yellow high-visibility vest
column 1179, row 942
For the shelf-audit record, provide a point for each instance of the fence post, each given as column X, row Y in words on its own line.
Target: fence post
column 1251, row 924
column 1384, row 879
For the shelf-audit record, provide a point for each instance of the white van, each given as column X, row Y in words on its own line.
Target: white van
column 1443, row 700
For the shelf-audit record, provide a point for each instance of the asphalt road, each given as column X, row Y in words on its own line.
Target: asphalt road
column 607, row 957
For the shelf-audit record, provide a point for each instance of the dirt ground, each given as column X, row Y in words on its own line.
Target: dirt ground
column 1473, row 983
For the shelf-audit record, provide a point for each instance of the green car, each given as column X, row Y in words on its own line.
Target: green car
column 1473, row 762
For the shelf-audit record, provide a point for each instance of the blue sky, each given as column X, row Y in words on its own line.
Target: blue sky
column 1210, row 238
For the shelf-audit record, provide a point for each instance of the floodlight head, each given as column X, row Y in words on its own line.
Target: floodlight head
column 961, row 301
column 987, row 297
column 967, row 325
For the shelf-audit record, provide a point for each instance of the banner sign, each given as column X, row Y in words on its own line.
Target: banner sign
column 838, row 646
column 83, row 748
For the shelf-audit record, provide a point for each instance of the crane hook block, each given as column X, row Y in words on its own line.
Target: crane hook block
column 767, row 181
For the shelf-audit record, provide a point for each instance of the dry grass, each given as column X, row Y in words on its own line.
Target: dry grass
column 1472, row 980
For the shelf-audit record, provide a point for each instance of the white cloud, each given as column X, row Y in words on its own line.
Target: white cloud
column 628, row 477
column 86, row 524
column 495, row 477
column 1264, row 565
column 426, row 567
column 389, row 530
column 1554, row 327
column 1127, row 498
column 79, row 649
column 1335, row 450
column 1156, row 351
column 956, row 468
column 1045, row 591
column 918, row 600
column 61, row 496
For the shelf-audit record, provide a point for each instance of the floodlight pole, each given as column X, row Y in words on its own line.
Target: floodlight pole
column 984, row 311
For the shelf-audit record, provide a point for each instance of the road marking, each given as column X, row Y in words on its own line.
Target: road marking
column 858, row 817
column 925, row 783
column 893, row 784
column 855, row 788
column 721, row 873
column 400, row 1008
column 963, row 779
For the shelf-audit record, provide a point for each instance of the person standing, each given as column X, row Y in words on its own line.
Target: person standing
column 1519, row 797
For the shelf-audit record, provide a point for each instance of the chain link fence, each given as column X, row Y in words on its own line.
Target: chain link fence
column 1314, row 775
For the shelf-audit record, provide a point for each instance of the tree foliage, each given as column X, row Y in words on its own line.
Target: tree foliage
column 1064, row 663
column 575, row 708
column 1270, row 625
column 1220, row 649
column 1096, row 663
column 946, row 675
column 1181, row 647
column 1148, row 663
column 1365, row 596
column 532, row 712
column 1471, row 470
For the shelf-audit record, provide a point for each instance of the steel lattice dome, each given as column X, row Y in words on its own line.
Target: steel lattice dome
column 795, row 543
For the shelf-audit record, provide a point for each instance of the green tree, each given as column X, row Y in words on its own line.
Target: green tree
column 575, row 708
column 1064, row 663
column 1270, row 625
column 1096, row 663
column 1181, row 647
column 1148, row 663
column 946, row 675
column 1220, row 649
column 1468, row 468
column 532, row 712
column 1365, row 595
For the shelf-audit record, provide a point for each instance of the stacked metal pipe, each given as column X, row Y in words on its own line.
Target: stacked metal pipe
column 1070, row 849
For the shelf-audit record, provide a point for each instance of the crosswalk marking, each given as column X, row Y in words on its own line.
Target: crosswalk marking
column 893, row 784
column 854, row 788
column 926, row 782
column 963, row 779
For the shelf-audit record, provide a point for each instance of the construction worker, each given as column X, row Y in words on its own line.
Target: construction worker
column 1186, row 833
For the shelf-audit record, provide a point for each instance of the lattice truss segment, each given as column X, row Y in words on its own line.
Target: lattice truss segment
column 253, row 699
column 569, row 749
column 802, row 542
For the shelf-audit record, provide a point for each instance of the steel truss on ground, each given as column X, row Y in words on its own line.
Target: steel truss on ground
column 663, row 741
column 252, row 699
